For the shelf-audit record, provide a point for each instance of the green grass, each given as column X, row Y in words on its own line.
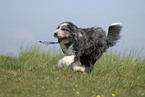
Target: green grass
column 33, row 74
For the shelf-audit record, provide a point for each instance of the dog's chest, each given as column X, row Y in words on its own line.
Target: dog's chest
column 67, row 51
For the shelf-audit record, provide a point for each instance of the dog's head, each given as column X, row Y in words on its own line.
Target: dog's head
column 65, row 32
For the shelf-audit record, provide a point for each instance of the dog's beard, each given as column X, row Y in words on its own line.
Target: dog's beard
column 63, row 40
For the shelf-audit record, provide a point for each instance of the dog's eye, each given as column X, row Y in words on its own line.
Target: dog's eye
column 65, row 29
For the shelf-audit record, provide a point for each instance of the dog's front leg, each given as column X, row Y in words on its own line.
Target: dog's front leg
column 65, row 62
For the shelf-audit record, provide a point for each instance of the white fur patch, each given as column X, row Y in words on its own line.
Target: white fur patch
column 113, row 24
column 65, row 62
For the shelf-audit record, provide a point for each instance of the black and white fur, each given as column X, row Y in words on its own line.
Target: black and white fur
column 85, row 45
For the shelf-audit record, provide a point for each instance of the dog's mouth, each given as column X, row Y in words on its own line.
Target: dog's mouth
column 63, row 40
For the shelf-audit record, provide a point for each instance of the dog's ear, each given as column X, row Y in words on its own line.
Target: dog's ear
column 73, row 30
column 72, row 27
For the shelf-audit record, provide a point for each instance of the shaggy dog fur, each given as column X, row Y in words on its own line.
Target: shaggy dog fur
column 84, row 45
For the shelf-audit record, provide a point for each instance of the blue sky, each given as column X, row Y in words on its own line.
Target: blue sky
column 29, row 21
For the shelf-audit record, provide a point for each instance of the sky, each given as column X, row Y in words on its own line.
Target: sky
column 28, row 21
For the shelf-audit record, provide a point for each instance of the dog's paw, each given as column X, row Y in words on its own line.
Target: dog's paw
column 77, row 68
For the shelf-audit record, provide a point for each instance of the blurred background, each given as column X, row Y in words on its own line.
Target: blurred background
column 28, row 21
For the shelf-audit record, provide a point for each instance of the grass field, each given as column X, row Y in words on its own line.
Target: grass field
column 33, row 74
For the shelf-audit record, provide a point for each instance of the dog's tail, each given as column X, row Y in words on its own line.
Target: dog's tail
column 113, row 33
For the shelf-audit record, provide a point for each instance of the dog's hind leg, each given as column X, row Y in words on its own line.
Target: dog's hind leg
column 89, row 67
column 88, row 63
column 76, row 67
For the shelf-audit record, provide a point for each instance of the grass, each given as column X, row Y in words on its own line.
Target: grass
column 33, row 74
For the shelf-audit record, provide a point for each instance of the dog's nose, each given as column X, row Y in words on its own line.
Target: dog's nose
column 55, row 34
